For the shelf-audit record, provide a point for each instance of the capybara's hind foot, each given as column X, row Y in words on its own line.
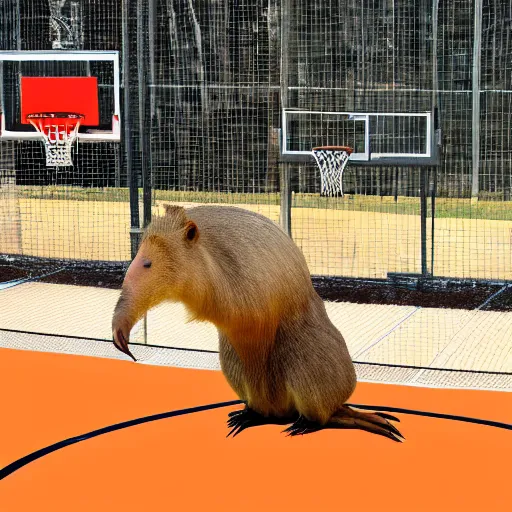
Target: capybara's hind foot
column 303, row 426
column 247, row 418
column 376, row 423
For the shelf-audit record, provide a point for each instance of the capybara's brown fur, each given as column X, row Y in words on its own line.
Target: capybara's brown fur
column 237, row 269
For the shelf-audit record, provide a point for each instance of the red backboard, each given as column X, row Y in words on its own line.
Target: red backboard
column 60, row 94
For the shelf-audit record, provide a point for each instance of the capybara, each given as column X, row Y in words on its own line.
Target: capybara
column 278, row 349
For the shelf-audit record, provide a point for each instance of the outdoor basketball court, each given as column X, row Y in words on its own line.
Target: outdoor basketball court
column 337, row 137
column 184, row 461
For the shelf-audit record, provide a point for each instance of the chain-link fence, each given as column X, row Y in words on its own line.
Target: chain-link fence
column 202, row 88
column 203, row 85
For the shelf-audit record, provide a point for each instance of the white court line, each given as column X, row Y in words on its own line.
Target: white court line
column 10, row 284
column 395, row 327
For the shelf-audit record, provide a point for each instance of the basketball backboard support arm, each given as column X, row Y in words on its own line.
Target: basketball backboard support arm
column 65, row 56
column 367, row 157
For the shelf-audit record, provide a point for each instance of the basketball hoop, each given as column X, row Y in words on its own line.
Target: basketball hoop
column 331, row 161
column 59, row 131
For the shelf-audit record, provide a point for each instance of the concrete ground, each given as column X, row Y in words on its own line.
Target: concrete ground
column 404, row 335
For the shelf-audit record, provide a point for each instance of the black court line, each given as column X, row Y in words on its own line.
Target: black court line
column 18, row 464
column 104, row 340
column 427, row 414
column 206, row 351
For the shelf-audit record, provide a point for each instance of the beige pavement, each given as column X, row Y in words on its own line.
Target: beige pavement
column 443, row 338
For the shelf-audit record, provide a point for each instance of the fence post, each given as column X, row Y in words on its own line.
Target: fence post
column 285, row 172
column 433, row 214
column 423, row 219
column 475, row 142
column 142, row 57
column 145, row 30
column 436, row 127
column 127, row 133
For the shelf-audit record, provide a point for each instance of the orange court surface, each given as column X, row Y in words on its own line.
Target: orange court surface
column 185, row 462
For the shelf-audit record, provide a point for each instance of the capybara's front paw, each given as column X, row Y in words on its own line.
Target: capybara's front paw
column 247, row 418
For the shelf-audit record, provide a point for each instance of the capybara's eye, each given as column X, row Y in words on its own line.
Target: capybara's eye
column 147, row 264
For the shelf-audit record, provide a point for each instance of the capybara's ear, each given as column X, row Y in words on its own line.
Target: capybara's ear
column 191, row 231
column 171, row 209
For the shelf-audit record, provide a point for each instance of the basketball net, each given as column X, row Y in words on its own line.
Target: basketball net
column 59, row 130
column 331, row 161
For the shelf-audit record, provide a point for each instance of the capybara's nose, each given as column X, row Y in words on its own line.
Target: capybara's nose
column 138, row 267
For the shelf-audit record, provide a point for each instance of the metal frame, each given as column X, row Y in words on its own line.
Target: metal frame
column 475, row 94
column 285, row 175
column 71, row 56
column 294, row 156
column 429, row 158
